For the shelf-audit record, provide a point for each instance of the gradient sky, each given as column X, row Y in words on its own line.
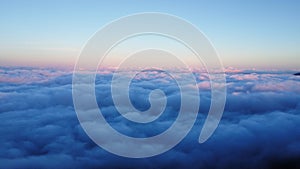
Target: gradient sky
column 252, row 34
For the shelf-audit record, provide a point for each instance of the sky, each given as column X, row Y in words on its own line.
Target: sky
column 252, row 34
column 40, row 124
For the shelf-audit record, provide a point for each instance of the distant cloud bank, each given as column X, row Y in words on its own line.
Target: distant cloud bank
column 259, row 129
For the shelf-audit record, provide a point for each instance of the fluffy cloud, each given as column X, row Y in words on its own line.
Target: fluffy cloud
column 39, row 128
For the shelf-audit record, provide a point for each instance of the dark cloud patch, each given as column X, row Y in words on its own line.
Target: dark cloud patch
column 39, row 128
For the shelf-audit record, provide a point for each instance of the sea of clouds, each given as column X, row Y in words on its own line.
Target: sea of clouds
column 259, row 128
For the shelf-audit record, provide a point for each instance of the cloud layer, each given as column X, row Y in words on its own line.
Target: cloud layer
column 39, row 128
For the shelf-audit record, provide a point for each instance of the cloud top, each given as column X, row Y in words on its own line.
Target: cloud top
column 39, row 128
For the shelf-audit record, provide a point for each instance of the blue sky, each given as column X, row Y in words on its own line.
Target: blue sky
column 252, row 34
column 260, row 125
